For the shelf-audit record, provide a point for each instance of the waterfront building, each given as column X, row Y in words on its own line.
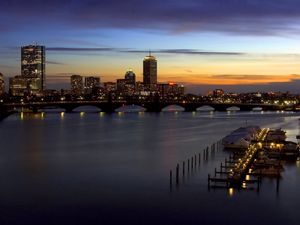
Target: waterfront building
column 33, row 67
column 77, row 85
column 150, row 71
column 2, row 84
column 17, row 86
column 91, row 84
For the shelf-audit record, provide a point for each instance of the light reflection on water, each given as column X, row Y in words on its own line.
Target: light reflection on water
column 96, row 165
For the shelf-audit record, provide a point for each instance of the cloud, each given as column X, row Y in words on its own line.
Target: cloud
column 155, row 51
column 75, row 49
column 55, row 63
column 238, row 80
column 254, row 17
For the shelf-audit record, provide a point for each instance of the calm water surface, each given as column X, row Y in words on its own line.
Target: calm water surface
column 93, row 168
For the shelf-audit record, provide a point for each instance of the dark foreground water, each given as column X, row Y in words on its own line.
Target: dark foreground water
column 92, row 168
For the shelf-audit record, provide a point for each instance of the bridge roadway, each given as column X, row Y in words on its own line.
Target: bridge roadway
column 154, row 106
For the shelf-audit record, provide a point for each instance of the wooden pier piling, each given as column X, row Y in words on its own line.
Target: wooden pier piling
column 177, row 174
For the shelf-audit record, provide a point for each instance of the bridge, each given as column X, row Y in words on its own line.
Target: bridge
column 149, row 106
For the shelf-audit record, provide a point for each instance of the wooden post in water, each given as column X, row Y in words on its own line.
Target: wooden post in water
column 207, row 153
column 199, row 159
column 277, row 181
column 183, row 168
column 192, row 162
column 177, row 174
column 171, row 178
column 195, row 161
column 188, row 165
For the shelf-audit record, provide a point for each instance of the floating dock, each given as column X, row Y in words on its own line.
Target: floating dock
column 247, row 167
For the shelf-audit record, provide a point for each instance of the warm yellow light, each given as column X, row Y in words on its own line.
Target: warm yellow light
column 22, row 116
column 231, row 191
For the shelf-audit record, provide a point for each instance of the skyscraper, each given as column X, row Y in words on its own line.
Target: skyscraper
column 33, row 66
column 130, row 77
column 2, row 87
column 77, row 84
column 150, row 71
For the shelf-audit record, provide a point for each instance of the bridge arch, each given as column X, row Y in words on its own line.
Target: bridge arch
column 233, row 109
column 205, row 108
column 87, row 108
column 257, row 109
column 131, row 108
column 173, row 108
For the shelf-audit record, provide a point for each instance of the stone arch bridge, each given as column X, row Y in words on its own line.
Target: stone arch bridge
column 110, row 107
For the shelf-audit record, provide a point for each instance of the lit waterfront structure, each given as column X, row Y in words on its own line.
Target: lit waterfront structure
column 77, row 85
column 33, row 67
column 150, row 71
column 130, row 77
column 17, row 86
column 91, row 83
column 2, row 84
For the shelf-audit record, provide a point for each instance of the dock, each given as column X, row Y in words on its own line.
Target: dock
column 237, row 171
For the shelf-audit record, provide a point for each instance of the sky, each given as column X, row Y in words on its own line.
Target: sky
column 237, row 45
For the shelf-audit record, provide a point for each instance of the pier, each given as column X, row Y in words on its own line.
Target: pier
column 236, row 172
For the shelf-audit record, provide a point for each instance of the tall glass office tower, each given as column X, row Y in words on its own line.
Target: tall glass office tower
column 33, row 66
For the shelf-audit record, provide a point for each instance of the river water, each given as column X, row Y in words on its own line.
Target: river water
column 95, row 168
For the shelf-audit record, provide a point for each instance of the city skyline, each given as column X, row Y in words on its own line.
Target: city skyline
column 252, row 47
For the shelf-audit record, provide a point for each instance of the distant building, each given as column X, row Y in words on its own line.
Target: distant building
column 33, row 66
column 17, row 86
column 110, row 87
column 218, row 93
column 77, row 85
column 121, row 85
column 2, row 84
column 130, row 77
column 91, row 83
column 150, row 71
column 170, row 89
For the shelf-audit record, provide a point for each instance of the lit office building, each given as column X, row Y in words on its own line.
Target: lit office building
column 17, row 86
column 121, row 85
column 91, row 83
column 33, row 66
column 150, row 71
column 171, row 89
column 110, row 86
column 77, row 85
column 2, row 86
